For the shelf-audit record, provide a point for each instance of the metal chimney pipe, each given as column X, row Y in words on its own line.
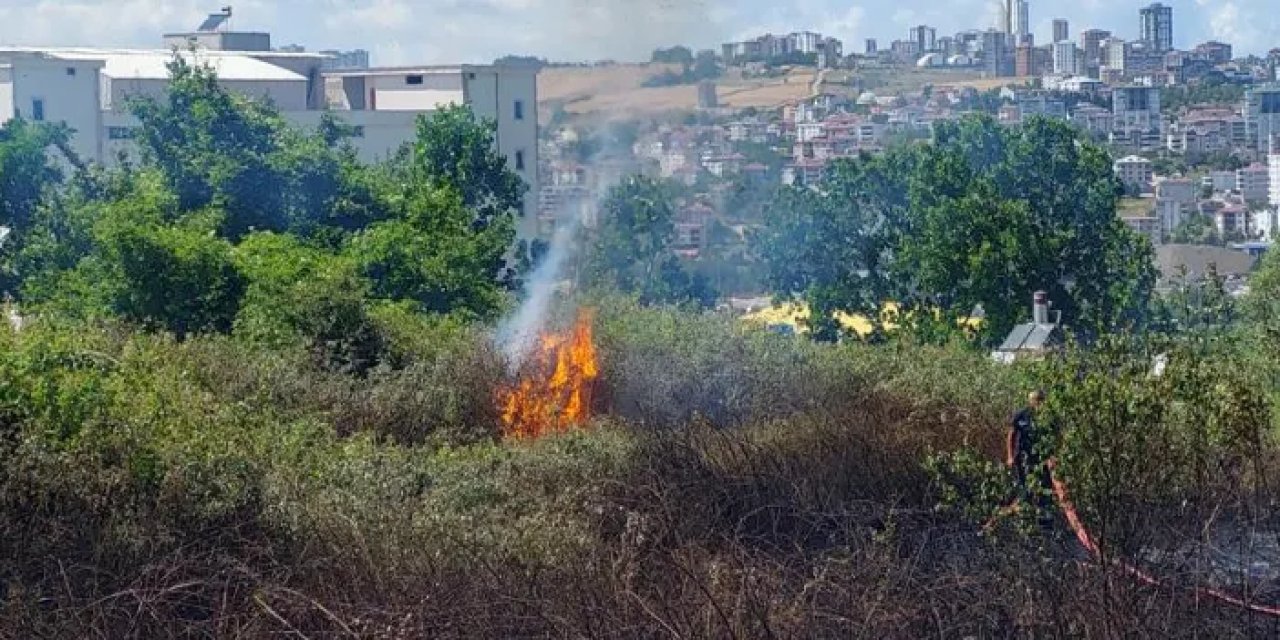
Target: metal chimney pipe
column 1040, row 308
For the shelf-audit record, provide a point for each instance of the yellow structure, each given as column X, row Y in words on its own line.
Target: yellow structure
column 795, row 315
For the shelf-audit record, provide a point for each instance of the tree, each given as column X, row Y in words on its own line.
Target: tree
column 1196, row 229
column 453, row 149
column 678, row 54
column 26, row 175
column 173, row 277
column 830, row 247
column 233, row 219
column 705, row 66
column 218, row 148
column 632, row 249
column 435, row 255
column 298, row 293
column 983, row 215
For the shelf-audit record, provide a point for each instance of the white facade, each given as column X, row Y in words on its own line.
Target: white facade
column 1021, row 20
column 806, row 41
column 1175, row 200
column 90, row 90
column 1264, row 224
column 1135, row 173
column 1273, row 168
column 1065, row 58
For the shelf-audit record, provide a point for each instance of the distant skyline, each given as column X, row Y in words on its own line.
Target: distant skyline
column 434, row 31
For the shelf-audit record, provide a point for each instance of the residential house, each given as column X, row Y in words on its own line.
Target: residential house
column 1135, row 174
column 1254, row 182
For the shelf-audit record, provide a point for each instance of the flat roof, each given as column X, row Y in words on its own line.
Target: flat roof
column 125, row 64
column 396, row 71
column 58, row 51
column 429, row 69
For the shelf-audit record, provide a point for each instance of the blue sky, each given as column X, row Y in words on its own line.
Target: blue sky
column 429, row 31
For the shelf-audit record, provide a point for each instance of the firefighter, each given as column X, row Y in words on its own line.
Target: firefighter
column 1026, row 454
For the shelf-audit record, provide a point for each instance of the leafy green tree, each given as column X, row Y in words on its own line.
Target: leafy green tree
column 456, row 150
column 219, row 148
column 174, row 277
column 298, row 293
column 1069, row 241
column 705, row 66
column 983, row 215
column 1196, row 229
column 831, row 247
column 26, row 170
column 26, row 176
column 632, row 251
column 436, row 255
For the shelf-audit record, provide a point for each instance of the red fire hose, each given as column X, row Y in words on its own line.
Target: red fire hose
column 1087, row 541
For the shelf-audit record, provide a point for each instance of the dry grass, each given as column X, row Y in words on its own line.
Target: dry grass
column 618, row 89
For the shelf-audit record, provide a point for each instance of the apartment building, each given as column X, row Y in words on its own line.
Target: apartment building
column 90, row 89
column 1273, row 168
column 1253, row 182
column 1135, row 174
column 1262, row 115
column 1136, row 110
column 1175, row 200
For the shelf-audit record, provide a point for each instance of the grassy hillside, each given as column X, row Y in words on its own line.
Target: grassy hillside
column 618, row 90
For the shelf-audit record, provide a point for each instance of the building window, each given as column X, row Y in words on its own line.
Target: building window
column 71, row 71
column 415, row 80
column 119, row 133
column 519, row 161
column 519, row 109
column 37, row 110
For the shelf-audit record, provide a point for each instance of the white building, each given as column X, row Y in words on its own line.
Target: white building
column 89, row 90
column 1175, row 200
column 1066, row 59
column 1273, row 167
column 1264, row 224
column 1021, row 20
column 1135, row 173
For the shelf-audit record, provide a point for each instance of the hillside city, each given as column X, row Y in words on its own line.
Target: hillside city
column 1195, row 131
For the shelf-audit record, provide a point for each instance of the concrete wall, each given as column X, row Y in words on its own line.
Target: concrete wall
column 69, row 91
column 6, row 94
column 394, row 93
column 492, row 92
column 307, row 67
column 287, row 95
column 383, row 132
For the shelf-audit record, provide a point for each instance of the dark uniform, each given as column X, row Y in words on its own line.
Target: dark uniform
column 1030, row 472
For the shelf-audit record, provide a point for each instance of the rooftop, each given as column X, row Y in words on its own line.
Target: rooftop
column 153, row 65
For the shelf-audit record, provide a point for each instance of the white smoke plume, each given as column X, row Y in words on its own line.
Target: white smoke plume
column 518, row 334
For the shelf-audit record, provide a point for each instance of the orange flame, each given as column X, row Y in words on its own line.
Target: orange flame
column 554, row 394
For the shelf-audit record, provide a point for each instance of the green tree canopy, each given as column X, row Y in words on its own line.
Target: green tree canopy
column 219, row 148
column 26, row 176
column 232, row 219
column 456, row 150
column 983, row 215
column 632, row 251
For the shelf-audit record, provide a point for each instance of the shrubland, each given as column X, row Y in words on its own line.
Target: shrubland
column 254, row 395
